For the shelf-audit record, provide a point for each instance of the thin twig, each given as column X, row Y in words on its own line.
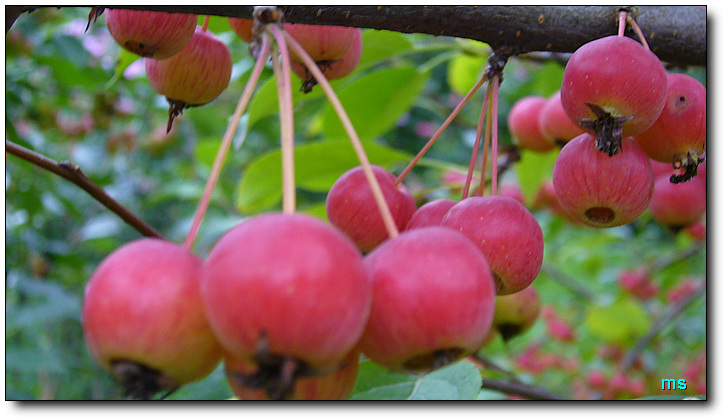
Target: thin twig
column 522, row 390
column 475, row 147
column 74, row 174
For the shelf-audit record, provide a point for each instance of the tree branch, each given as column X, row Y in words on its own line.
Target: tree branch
column 522, row 390
column 677, row 34
column 73, row 173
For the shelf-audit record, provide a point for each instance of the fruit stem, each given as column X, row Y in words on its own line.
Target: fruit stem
column 495, row 139
column 441, row 129
column 622, row 18
column 638, row 31
column 227, row 140
column 206, row 20
column 282, row 73
column 486, row 146
column 475, row 147
column 353, row 137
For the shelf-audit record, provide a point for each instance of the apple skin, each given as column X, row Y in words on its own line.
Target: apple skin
column 681, row 127
column 678, row 205
column 350, row 206
column 523, row 120
column 430, row 213
column 433, row 293
column 621, row 76
column 507, row 233
column 336, row 386
column 601, row 190
column 333, row 70
column 293, row 279
column 516, row 313
column 143, row 305
column 555, row 125
column 322, row 42
column 157, row 35
column 242, row 27
column 197, row 75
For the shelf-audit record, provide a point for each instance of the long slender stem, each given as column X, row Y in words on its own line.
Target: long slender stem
column 622, row 17
column 494, row 115
column 475, row 148
column 638, row 31
column 74, row 174
column 441, row 129
column 355, row 141
column 286, row 116
column 485, row 147
column 227, row 141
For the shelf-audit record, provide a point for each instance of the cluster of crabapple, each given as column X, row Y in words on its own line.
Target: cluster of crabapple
column 617, row 113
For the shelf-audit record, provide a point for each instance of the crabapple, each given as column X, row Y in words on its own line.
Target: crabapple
column 556, row 327
column 507, row 233
column 242, row 27
column 678, row 136
column 638, row 283
column 433, row 300
column 332, row 70
column 615, row 88
column 516, row 313
column 336, row 386
column 523, row 120
column 323, row 43
column 193, row 77
column 601, row 190
column 157, row 35
column 678, row 204
column 555, row 125
column 143, row 319
column 430, row 213
column 350, row 206
column 289, row 293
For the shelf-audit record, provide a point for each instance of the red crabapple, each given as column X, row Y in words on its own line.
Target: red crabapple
column 143, row 319
column 430, row 213
column 193, row 77
column 242, row 27
column 507, row 233
column 157, row 35
column 323, row 43
column 615, row 88
column 678, row 205
column 433, row 300
column 523, row 120
column 350, row 206
column 601, row 190
column 288, row 292
column 333, row 70
column 678, row 136
column 555, row 124
column 638, row 283
column 516, row 313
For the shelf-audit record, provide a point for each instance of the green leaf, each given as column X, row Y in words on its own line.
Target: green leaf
column 373, row 102
column 533, row 169
column 623, row 321
column 460, row 381
column 260, row 185
column 464, row 71
column 265, row 101
column 67, row 74
column 379, row 45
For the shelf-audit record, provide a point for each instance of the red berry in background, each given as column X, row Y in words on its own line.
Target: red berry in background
column 338, row 385
column 242, row 27
column 683, row 289
column 596, row 379
column 556, row 327
column 516, row 313
column 323, row 43
column 157, row 35
column 678, row 136
column 602, row 190
column 637, row 282
column 678, row 205
column 513, row 191
column 351, row 207
column 143, row 319
column 697, row 231
column 615, row 88
column 433, row 302
column 288, row 292
column 523, row 120
column 430, row 213
column 507, row 233
column 555, row 124
column 195, row 76
column 333, row 70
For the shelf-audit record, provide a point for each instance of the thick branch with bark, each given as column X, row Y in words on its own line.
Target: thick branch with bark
column 677, row 34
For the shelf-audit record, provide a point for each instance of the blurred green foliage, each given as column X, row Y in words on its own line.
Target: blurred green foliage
column 77, row 96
